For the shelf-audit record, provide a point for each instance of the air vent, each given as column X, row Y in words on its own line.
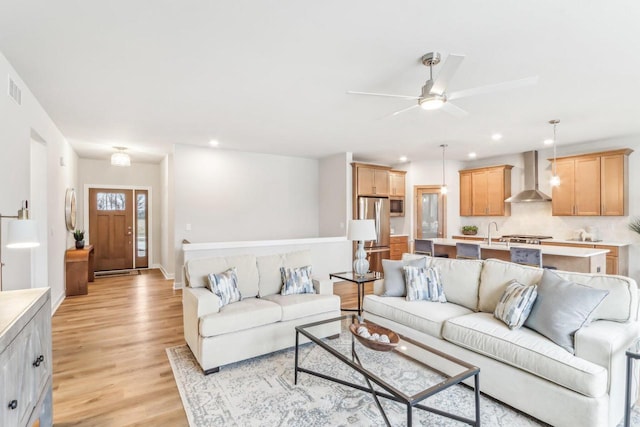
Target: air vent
column 14, row 91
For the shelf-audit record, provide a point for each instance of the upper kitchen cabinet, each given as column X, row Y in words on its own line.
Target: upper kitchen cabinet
column 397, row 183
column 483, row 191
column 592, row 184
column 371, row 180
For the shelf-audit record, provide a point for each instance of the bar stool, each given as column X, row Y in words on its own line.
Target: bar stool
column 425, row 247
column 467, row 251
column 526, row 256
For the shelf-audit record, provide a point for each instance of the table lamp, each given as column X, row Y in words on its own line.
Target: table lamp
column 22, row 232
column 361, row 230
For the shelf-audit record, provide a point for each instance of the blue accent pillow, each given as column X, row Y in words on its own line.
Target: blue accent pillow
column 562, row 308
column 296, row 280
column 394, row 279
column 424, row 284
column 225, row 286
column 515, row 304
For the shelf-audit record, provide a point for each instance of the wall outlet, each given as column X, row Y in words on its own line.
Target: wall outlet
column 187, row 227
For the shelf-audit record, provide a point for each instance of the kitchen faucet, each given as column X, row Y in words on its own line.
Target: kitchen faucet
column 489, row 231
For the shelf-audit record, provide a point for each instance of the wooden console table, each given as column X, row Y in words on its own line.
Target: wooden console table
column 79, row 267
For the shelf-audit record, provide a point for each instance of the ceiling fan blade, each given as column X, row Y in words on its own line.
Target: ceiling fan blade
column 404, row 110
column 512, row 84
column 454, row 110
column 352, row 92
column 446, row 73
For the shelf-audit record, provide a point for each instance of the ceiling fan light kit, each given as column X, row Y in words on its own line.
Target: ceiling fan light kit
column 434, row 94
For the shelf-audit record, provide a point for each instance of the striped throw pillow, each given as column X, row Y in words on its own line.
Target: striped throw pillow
column 515, row 304
column 225, row 286
column 424, row 284
column 296, row 281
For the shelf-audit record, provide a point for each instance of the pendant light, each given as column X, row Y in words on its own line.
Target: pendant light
column 443, row 189
column 555, row 179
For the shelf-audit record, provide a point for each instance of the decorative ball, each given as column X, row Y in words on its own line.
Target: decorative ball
column 365, row 334
column 375, row 337
column 384, row 339
column 362, row 329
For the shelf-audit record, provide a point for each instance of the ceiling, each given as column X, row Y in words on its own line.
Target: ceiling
column 271, row 76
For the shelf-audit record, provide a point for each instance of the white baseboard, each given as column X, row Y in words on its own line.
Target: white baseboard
column 177, row 285
column 166, row 275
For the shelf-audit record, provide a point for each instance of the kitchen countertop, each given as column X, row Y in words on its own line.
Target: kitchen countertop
column 399, row 235
column 546, row 249
column 568, row 241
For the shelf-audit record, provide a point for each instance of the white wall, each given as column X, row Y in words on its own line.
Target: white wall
column 102, row 173
column 167, row 255
column 231, row 196
column 17, row 125
column 335, row 194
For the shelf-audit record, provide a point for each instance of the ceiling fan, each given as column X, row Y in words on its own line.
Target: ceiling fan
column 434, row 92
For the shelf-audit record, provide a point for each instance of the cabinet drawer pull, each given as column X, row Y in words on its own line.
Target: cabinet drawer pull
column 13, row 404
column 38, row 361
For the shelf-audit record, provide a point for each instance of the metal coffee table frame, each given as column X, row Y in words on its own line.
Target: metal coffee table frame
column 392, row 393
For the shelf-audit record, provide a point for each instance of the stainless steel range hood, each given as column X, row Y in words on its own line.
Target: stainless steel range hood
column 531, row 192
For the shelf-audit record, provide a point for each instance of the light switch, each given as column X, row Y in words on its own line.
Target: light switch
column 188, row 227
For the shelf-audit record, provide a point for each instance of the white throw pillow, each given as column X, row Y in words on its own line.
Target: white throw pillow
column 225, row 286
column 515, row 304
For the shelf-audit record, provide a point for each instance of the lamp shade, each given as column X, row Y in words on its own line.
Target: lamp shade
column 362, row 229
column 22, row 233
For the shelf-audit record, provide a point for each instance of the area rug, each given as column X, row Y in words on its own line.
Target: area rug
column 260, row 392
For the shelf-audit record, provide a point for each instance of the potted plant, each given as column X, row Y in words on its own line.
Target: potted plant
column 634, row 225
column 79, row 236
column 470, row 230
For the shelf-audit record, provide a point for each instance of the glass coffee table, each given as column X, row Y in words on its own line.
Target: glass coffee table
column 406, row 374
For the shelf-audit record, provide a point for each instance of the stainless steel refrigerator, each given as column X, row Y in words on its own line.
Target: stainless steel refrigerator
column 376, row 208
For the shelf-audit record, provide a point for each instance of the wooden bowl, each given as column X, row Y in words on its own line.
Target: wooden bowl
column 375, row 329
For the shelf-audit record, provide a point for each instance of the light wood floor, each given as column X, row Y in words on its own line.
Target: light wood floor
column 109, row 362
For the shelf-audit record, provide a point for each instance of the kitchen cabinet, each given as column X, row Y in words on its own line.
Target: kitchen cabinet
column 593, row 184
column 483, row 191
column 399, row 245
column 371, row 180
column 397, row 183
column 25, row 357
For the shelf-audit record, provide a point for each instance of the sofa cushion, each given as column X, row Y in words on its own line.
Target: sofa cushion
column 423, row 316
column 225, row 286
column 246, row 314
column 296, row 280
column 247, row 271
column 620, row 305
column 562, row 307
column 270, row 280
column 460, row 280
column 394, row 278
column 303, row 305
column 495, row 277
column 527, row 350
column 515, row 304
column 297, row 259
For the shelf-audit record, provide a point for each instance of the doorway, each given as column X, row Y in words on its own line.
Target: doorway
column 431, row 212
column 119, row 228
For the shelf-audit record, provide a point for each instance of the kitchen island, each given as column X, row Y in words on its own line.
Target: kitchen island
column 567, row 258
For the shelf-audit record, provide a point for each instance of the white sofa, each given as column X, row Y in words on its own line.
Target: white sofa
column 263, row 321
column 521, row 367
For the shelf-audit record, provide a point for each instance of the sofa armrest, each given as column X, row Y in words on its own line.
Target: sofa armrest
column 378, row 287
column 198, row 302
column 323, row 287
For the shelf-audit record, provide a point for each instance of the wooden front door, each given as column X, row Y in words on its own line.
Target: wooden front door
column 430, row 208
column 111, row 228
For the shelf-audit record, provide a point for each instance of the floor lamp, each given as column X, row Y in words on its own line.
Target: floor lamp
column 21, row 233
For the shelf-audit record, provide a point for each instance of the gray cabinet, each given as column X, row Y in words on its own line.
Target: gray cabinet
column 25, row 357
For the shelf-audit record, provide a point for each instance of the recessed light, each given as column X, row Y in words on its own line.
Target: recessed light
column 548, row 141
column 214, row 143
column 472, row 155
column 496, row 136
column 403, row 158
